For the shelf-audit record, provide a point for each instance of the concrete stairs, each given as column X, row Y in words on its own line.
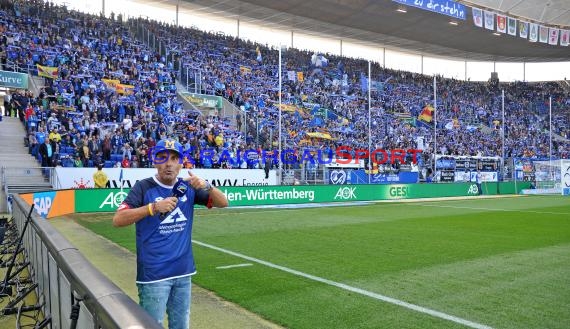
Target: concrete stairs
column 20, row 171
column 228, row 109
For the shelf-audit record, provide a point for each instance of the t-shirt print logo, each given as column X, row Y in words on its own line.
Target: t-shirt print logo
column 175, row 216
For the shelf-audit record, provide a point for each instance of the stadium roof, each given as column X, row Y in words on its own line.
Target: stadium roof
column 377, row 23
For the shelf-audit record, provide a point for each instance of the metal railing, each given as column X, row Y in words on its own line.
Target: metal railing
column 69, row 283
column 5, row 189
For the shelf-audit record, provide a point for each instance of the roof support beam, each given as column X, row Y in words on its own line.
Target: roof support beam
column 514, row 6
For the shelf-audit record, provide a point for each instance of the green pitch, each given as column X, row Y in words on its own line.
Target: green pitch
column 499, row 263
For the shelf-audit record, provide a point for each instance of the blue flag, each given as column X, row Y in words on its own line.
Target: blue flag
column 363, row 82
column 121, row 177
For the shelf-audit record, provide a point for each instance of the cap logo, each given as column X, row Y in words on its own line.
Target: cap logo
column 169, row 144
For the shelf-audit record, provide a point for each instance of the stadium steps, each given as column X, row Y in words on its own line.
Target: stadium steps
column 20, row 170
column 180, row 89
column 36, row 84
column 228, row 110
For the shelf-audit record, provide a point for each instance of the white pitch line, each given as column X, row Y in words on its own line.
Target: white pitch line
column 360, row 291
column 495, row 209
column 233, row 266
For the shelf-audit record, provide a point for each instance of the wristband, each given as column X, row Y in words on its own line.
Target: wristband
column 150, row 209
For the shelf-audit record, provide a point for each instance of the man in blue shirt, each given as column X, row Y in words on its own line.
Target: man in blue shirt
column 163, row 234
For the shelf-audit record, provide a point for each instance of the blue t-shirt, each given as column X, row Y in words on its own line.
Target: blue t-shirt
column 164, row 243
column 40, row 137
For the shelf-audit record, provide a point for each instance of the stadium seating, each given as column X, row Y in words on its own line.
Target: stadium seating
column 118, row 86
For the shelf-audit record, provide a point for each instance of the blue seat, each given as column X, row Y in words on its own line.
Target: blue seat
column 109, row 164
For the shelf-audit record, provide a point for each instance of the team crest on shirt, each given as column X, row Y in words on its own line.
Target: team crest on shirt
column 176, row 216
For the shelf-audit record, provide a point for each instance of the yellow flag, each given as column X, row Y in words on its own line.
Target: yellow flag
column 48, row 71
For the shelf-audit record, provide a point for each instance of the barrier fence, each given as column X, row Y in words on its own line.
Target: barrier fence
column 67, row 282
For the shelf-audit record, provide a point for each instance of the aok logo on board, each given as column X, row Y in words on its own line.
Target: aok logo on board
column 113, row 200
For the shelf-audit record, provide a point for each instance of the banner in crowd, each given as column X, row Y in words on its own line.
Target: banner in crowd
column 501, row 23
column 361, row 177
column 47, row 71
column 489, row 20
column 289, row 107
column 201, row 100
column 523, row 30
column 533, row 34
column 111, row 83
column 13, row 80
column 124, row 89
column 79, row 178
column 427, row 114
column 543, row 34
column 466, row 169
column 445, row 7
column 291, row 75
column 538, row 170
column 524, row 170
column 564, row 37
column 477, row 17
column 512, row 26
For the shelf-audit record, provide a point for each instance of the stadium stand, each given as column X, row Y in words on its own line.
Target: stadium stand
column 112, row 97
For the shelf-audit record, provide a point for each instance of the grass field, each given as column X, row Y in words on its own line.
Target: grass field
column 480, row 263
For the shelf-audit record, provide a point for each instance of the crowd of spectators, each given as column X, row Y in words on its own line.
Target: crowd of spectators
column 469, row 114
column 89, row 122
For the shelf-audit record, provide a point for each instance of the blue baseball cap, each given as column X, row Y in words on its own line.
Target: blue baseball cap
column 168, row 144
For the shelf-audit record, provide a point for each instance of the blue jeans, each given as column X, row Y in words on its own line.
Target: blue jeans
column 169, row 296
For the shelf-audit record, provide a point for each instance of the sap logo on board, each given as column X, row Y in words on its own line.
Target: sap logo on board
column 43, row 202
